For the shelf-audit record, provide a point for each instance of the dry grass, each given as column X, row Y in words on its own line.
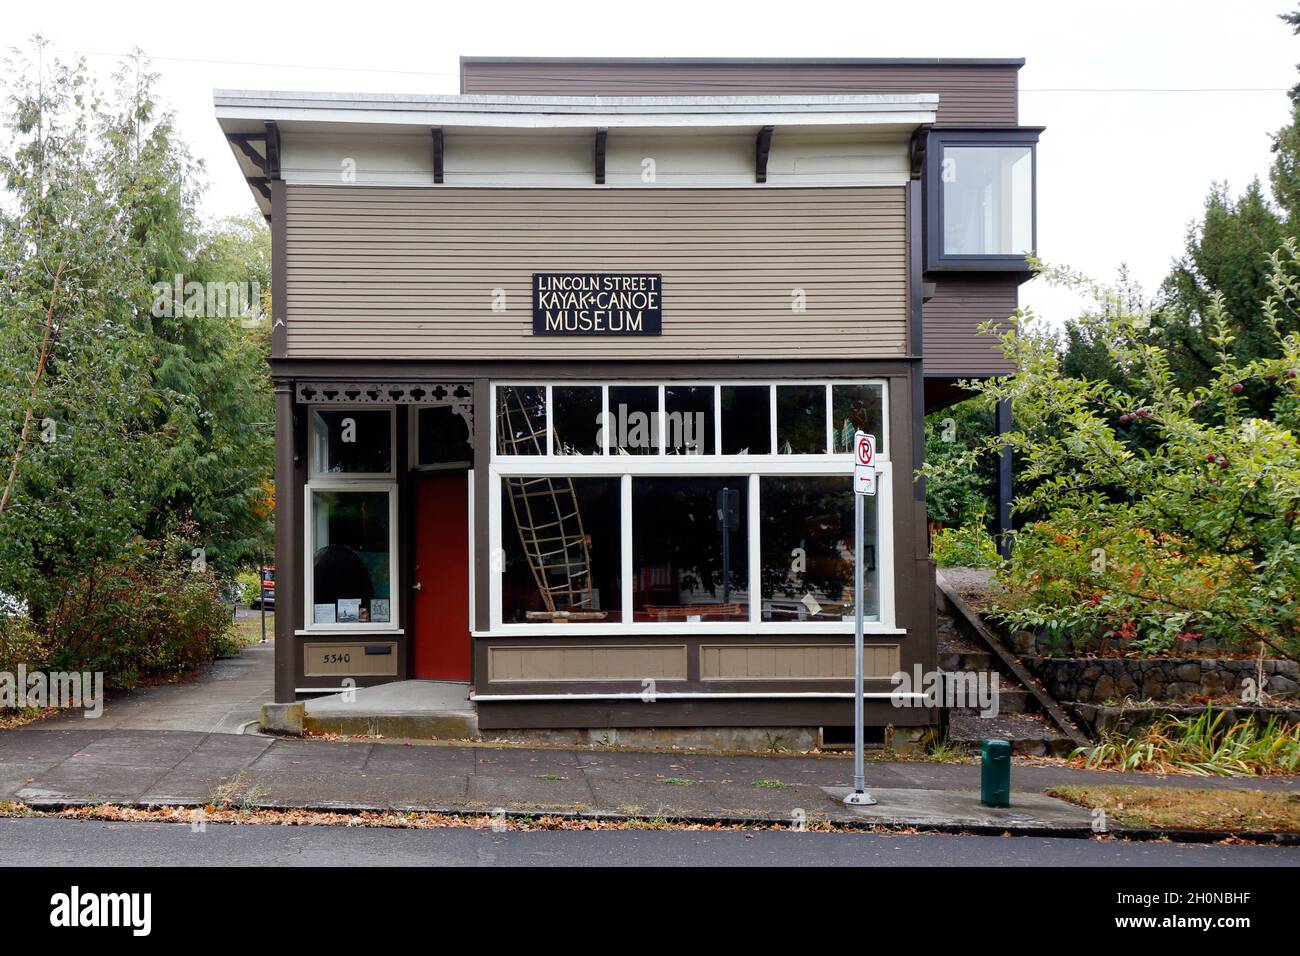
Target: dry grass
column 1177, row 808
column 249, row 630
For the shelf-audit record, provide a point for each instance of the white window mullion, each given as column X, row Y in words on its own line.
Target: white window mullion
column 625, row 545
column 660, row 441
column 604, row 419
column 771, row 414
column 550, row 441
column 755, row 584
column 717, row 419
column 830, row 423
column 496, row 553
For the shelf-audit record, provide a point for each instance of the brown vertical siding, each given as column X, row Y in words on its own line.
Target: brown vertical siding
column 390, row 272
column 969, row 94
column 952, row 317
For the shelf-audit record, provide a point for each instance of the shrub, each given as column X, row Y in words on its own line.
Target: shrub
column 970, row 546
column 248, row 584
column 148, row 613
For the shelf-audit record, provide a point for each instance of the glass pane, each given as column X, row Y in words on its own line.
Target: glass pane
column 801, row 419
column 688, row 429
column 521, row 420
column 634, row 420
column 350, row 569
column 987, row 200
column 442, row 437
column 690, row 564
column 857, row 408
column 746, row 420
column 561, row 538
column 807, row 550
column 575, row 419
column 353, row 441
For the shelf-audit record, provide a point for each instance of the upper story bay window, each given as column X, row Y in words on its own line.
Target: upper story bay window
column 980, row 199
column 714, row 507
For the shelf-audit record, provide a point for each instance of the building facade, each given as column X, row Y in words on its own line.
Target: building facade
column 568, row 368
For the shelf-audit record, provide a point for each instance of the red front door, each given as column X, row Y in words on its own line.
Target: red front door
column 440, row 580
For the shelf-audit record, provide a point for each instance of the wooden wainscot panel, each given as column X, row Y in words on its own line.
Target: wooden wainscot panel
column 586, row 663
column 350, row 660
column 794, row 661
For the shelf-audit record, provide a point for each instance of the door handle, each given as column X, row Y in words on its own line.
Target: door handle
column 417, row 586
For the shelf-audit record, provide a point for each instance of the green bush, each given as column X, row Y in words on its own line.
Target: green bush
column 248, row 583
column 971, row 546
column 147, row 614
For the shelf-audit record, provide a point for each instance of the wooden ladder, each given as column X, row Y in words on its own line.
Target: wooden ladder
column 547, row 515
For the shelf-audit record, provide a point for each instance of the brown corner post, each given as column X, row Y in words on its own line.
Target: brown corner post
column 286, row 545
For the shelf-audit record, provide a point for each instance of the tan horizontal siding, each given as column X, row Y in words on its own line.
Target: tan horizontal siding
column 404, row 272
column 968, row 95
column 951, row 340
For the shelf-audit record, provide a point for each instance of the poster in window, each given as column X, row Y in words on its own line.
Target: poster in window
column 349, row 610
column 322, row 613
column 379, row 610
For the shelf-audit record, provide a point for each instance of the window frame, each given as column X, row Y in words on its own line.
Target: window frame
column 343, row 482
column 313, row 444
column 413, row 442
column 752, row 467
column 936, row 259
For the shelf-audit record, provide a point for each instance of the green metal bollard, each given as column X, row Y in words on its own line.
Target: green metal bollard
column 995, row 773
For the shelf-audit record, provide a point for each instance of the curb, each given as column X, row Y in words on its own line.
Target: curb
column 1084, row 833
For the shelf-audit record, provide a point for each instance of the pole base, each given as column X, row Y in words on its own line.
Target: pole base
column 860, row 798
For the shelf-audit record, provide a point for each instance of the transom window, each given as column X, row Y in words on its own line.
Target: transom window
column 784, row 419
column 718, row 507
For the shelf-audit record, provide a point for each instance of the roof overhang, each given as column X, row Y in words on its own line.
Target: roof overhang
column 236, row 107
column 252, row 119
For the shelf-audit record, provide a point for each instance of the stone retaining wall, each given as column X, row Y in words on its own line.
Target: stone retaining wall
column 1133, row 721
column 1090, row 680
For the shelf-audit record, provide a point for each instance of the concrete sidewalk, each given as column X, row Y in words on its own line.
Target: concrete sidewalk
column 227, row 694
column 65, row 765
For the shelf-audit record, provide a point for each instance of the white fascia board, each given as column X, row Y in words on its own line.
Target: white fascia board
column 541, row 112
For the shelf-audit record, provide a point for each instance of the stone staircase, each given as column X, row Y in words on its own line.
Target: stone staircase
column 1023, row 716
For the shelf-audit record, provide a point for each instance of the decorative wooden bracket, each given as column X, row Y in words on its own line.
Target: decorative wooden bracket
column 600, row 156
column 762, row 146
column 437, row 154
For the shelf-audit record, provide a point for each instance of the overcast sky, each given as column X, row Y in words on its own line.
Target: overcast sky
column 1145, row 104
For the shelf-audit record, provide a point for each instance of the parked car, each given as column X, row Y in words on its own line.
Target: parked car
column 267, row 597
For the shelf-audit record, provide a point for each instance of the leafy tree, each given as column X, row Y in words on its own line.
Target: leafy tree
column 75, row 386
column 125, row 428
column 960, row 491
column 1165, row 512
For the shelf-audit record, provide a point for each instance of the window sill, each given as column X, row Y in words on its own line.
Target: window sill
column 360, row 630
column 716, row 628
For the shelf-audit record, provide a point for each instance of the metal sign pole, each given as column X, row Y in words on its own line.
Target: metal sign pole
column 859, row 797
column 261, row 591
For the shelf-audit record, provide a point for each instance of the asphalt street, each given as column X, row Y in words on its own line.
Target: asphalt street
column 53, row 842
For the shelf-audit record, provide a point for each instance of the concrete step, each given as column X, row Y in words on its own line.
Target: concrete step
column 1011, row 700
column 1029, row 734
column 963, row 660
column 414, row 709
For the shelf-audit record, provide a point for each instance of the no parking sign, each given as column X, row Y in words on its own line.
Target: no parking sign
column 864, row 468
